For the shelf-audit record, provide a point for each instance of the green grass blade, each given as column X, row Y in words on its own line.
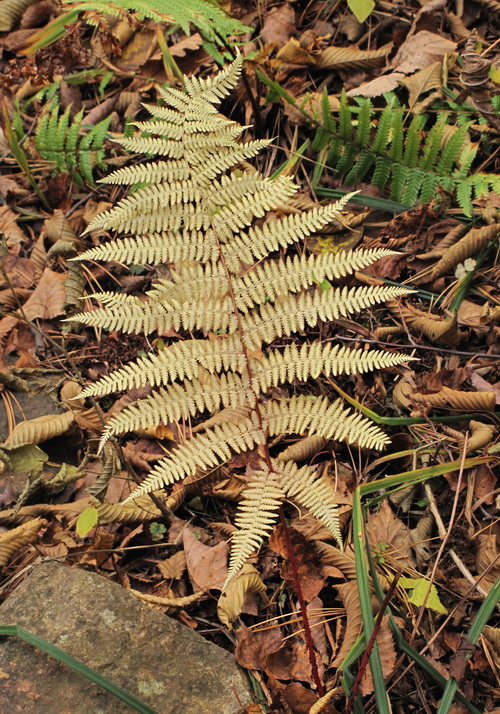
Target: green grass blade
column 481, row 619
column 77, row 666
column 412, row 477
column 366, row 605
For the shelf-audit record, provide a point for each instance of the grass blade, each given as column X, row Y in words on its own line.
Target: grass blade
column 366, row 605
column 77, row 666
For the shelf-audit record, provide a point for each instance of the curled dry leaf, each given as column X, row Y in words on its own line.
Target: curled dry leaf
column 424, row 80
column 334, row 557
column 437, row 329
column 456, row 399
column 12, row 541
column 11, row 11
column 303, row 450
column 350, row 598
column 466, row 247
column 419, row 535
column 231, row 601
column 166, row 603
column 69, row 395
column 486, row 554
column 35, row 431
column 492, row 634
column 480, row 435
column 388, row 656
column 352, row 58
column 450, row 239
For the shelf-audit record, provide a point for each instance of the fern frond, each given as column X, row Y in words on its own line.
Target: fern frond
column 313, row 491
column 332, row 420
column 60, row 143
column 158, row 248
column 309, row 361
column 196, row 213
column 203, row 451
column 256, row 516
column 181, row 360
column 413, row 163
column 292, row 313
column 180, row 401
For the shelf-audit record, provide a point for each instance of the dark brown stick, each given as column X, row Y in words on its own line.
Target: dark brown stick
column 368, row 650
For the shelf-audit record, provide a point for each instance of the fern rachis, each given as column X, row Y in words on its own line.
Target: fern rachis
column 200, row 218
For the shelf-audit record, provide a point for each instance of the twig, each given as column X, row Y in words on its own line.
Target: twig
column 442, row 532
column 445, row 540
column 415, row 347
column 371, row 642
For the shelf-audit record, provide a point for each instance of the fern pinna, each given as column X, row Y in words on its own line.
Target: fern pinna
column 227, row 288
column 360, row 144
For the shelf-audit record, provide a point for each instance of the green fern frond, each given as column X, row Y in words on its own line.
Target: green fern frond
column 60, row 143
column 232, row 284
column 362, row 145
column 205, row 15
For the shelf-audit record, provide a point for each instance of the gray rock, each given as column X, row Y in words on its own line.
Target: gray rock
column 165, row 664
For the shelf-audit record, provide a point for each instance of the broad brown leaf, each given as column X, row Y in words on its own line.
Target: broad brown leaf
column 47, row 300
column 384, row 529
column 207, row 566
column 253, row 647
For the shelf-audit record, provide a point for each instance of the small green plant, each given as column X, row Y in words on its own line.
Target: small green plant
column 58, row 140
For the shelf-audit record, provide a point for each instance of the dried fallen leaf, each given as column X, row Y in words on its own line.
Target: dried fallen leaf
column 389, row 537
column 456, row 399
column 231, row 601
column 253, row 647
column 9, row 228
column 466, row 247
column 207, row 566
column 352, row 58
column 291, row 661
column 422, row 81
column 12, row 541
column 35, row 431
column 388, row 656
column 421, row 50
column 279, row 24
column 47, row 300
column 349, row 595
column 173, row 568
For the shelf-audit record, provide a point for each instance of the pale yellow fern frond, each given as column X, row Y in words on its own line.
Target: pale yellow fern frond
column 203, row 451
column 255, row 518
column 180, row 360
column 309, row 361
column 292, row 313
column 213, row 89
column 313, row 491
column 279, row 233
column 180, row 401
column 158, row 248
column 152, row 172
column 318, row 415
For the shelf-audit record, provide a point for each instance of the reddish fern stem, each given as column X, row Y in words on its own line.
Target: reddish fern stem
column 302, row 604
column 371, row 642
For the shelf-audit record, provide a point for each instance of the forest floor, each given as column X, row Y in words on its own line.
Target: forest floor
column 319, row 83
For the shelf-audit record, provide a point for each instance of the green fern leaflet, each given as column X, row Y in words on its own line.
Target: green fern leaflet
column 58, row 140
column 411, row 164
